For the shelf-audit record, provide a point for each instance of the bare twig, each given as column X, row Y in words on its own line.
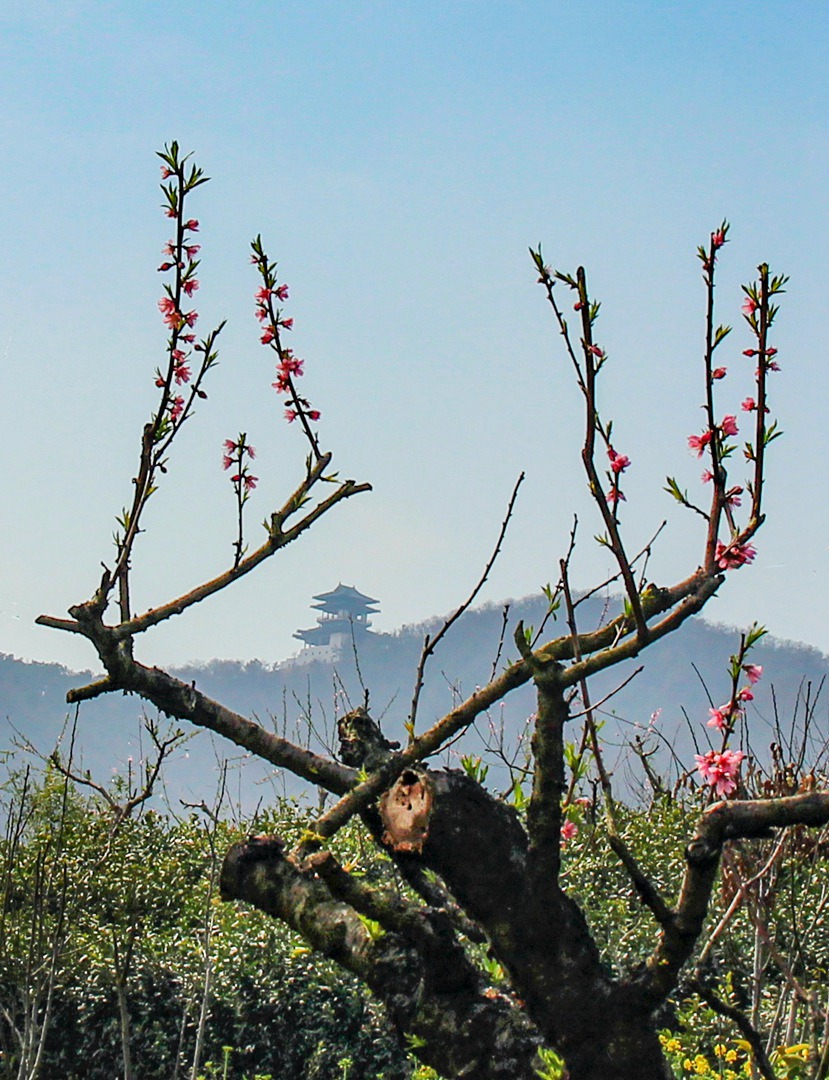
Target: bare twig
column 430, row 644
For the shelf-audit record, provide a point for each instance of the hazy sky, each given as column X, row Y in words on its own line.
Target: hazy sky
column 398, row 159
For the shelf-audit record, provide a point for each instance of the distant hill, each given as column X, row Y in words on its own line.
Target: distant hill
column 302, row 700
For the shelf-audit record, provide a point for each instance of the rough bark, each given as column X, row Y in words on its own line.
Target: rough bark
column 419, row 970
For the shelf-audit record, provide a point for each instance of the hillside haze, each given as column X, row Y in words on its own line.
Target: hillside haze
column 302, row 700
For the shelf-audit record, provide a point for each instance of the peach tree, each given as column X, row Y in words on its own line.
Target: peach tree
column 472, row 882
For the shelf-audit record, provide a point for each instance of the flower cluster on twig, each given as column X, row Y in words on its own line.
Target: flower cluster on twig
column 289, row 367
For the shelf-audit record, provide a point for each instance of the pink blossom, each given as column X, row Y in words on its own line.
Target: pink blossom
column 261, row 314
column 250, row 482
column 189, row 338
column 190, row 285
column 732, row 497
column 227, row 461
column 191, row 318
column 290, row 364
column 165, row 172
column 281, row 292
column 291, row 415
column 719, row 770
column 251, row 452
column 729, row 425
column 230, row 445
column 734, row 556
column 176, row 408
column 262, row 294
column 749, row 306
column 717, row 239
column 170, row 211
column 719, row 717
column 268, row 335
column 772, row 365
column 569, row 830
column 618, row 462
column 753, row 672
column 745, row 694
column 192, row 225
column 707, row 476
column 192, row 250
column 614, row 496
column 719, row 373
column 699, row 442
column 749, row 405
column 172, row 316
column 286, row 324
column 181, row 373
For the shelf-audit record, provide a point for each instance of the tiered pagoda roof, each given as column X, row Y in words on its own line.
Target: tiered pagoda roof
column 344, row 612
column 345, row 598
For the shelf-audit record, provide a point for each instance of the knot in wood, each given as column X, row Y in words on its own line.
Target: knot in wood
column 406, row 809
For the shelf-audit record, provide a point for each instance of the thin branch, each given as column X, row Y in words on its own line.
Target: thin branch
column 603, row 701
column 741, row 1021
column 745, row 819
column 276, row 539
column 501, row 636
column 430, row 644
column 646, row 889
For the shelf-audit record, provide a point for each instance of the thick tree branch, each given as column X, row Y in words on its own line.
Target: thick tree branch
column 185, row 702
column 430, row 990
column 277, row 539
column 690, row 596
column 544, row 810
column 745, row 819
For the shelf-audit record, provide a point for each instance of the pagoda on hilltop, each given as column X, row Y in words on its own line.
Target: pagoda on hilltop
column 343, row 620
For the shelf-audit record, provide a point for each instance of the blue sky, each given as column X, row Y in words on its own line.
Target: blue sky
column 398, row 160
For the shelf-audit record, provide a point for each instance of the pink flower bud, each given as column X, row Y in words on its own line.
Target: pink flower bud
column 729, row 425
column 699, row 442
